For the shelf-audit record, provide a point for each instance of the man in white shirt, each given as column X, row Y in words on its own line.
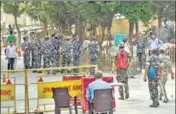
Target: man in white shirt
column 154, row 43
column 10, row 53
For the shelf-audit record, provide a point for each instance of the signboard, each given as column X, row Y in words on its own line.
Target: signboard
column 7, row 92
column 45, row 88
column 85, row 82
column 74, row 77
column 118, row 38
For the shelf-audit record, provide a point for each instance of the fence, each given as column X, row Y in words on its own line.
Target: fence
column 26, row 75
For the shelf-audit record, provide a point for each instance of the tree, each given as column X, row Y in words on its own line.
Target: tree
column 100, row 15
column 38, row 10
column 135, row 11
column 163, row 10
column 16, row 9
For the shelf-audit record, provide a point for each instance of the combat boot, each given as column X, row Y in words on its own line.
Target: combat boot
column 160, row 96
column 155, row 104
column 126, row 95
column 165, row 100
column 121, row 97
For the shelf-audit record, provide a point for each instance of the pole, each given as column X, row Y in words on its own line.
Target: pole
column 26, row 93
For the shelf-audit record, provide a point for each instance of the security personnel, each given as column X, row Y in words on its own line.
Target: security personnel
column 166, row 68
column 93, row 54
column 67, row 50
column 122, row 76
column 153, row 60
column 26, row 52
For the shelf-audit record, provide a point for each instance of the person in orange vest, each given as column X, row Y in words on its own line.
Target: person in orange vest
column 122, row 62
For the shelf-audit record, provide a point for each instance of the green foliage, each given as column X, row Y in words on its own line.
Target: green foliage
column 14, row 8
column 135, row 11
column 164, row 9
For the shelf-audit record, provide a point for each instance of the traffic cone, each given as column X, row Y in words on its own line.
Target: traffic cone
column 8, row 82
column 4, row 78
column 40, row 79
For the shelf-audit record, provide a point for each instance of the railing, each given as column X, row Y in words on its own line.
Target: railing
column 26, row 82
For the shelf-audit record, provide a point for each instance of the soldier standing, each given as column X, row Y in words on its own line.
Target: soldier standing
column 76, row 52
column 122, row 62
column 165, row 68
column 31, row 51
column 36, row 50
column 46, row 51
column 141, row 46
column 93, row 54
column 55, row 52
column 151, row 72
column 67, row 53
column 26, row 52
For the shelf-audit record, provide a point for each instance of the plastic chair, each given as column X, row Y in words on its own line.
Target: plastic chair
column 62, row 99
column 102, row 102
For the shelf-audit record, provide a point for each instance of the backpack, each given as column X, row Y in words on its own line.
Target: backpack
column 152, row 72
column 122, row 60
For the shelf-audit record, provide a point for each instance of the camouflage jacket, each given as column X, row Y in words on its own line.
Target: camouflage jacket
column 25, row 47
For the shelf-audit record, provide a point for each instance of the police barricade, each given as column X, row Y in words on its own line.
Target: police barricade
column 85, row 80
column 8, row 95
column 38, row 88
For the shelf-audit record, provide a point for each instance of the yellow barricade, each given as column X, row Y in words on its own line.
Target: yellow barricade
column 45, row 88
column 7, row 92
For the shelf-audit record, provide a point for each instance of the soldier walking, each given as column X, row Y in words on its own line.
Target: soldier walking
column 141, row 46
column 122, row 62
column 165, row 68
column 76, row 52
column 151, row 72
column 26, row 52
column 93, row 54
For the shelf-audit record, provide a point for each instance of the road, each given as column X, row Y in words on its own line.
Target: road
column 138, row 103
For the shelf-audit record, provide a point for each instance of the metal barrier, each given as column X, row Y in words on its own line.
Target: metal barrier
column 7, row 92
column 26, row 84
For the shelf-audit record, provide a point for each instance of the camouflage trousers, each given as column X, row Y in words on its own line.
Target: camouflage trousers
column 66, row 61
column 162, row 89
column 55, row 60
column 153, row 88
column 93, row 61
column 26, row 59
column 141, row 59
column 47, row 61
column 122, row 77
column 76, row 61
column 36, row 61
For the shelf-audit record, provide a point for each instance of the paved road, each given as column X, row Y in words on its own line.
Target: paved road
column 138, row 103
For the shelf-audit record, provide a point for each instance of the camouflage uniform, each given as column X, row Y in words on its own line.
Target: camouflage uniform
column 36, row 53
column 26, row 53
column 55, row 52
column 122, row 77
column 76, row 54
column 141, row 46
column 153, row 83
column 93, row 55
column 166, row 64
column 67, row 53
column 46, row 51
